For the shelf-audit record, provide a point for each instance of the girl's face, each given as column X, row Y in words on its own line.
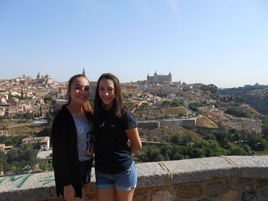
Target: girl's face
column 79, row 90
column 107, row 93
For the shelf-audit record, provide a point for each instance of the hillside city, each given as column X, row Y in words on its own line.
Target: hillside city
column 161, row 106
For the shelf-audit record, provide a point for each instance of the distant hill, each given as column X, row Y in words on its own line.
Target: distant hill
column 254, row 95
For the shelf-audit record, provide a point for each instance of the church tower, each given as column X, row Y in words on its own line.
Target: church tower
column 83, row 72
column 170, row 76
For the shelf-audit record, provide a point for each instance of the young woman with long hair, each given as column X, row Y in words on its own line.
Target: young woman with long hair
column 114, row 127
column 71, row 134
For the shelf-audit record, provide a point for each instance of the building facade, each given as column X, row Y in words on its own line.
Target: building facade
column 44, row 142
column 159, row 78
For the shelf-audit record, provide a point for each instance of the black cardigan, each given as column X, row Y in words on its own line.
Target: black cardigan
column 65, row 152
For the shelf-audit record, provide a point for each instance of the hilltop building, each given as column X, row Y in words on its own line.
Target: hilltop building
column 44, row 81
column 159, row 78
column 130, row 89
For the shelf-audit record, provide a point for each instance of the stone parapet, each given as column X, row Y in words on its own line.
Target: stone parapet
column 225, row 178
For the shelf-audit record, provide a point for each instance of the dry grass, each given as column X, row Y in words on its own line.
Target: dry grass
column 157, row 113
column 165, row 131
column 205, row 122
column 15, row 128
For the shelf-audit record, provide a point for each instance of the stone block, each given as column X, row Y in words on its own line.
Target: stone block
column 252, row 166
column 249, row 194
column 263, row 183
column 151, row 174
column 189, row 191
column 162, row 195
column 264, row 194
column 139, row 197
column 141, row 194
column 231, row 195
column 200, row 169
column 213, row 191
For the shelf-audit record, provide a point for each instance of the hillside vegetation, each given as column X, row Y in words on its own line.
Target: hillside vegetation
column 255, row 96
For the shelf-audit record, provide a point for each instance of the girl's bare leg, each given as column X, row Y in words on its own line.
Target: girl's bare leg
column 107, row 194
column 124, row 195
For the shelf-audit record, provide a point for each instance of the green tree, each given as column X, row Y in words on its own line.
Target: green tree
column 22, row 159
column 187, row 139
column 173, row 103
column 209, row 136
column 12, row 155
column 194, row 106
column 177, row 153
column 238, row 113
column 46, row 165
column 265, row 129
column 29, row 154
column 49, row 117
column 48, row 99
column 176, row 139
column 238, row 99
column 247, row 149
column 236, row 151
column 2, row 167
column 46, row 131
column 3, row 160
column 210, row 87
column 12, row 140
column 264, row 144
column 254, row 141
column 222, row 137
column 167, row 150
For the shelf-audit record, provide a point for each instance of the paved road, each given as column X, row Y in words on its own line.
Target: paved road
column 44, row 154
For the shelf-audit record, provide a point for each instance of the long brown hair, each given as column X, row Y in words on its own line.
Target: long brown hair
column 86, row 105
column 117, row 105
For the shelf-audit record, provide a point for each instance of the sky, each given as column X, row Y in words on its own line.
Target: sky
column 220, row 42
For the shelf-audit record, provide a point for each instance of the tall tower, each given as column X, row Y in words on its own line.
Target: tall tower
column 170, row 76
column 83, row 72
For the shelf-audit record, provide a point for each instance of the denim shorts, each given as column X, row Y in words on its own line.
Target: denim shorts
column 85, row 171
column 124, row 181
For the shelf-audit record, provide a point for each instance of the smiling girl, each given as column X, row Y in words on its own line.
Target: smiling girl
column 71, row 133
column 114, row 127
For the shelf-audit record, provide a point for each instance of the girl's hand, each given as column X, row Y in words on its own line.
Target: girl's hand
column 91, row 151
column 133, row 136
column 69, row 193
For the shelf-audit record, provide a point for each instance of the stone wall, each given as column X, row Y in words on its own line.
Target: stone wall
column 148, row 124
column 225, row 178
column 151, row 124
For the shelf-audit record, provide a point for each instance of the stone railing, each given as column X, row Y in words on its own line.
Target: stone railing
column 225, row 178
